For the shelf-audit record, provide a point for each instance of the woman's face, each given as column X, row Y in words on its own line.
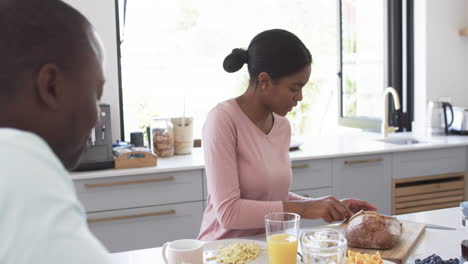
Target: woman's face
column 283, row 94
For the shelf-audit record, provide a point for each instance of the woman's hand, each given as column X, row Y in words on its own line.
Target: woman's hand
column 328, row 208
column 355, row 205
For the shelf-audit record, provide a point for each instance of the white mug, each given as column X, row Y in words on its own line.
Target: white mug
column 186, row 251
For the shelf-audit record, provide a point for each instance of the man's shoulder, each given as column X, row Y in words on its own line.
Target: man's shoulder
column 27, row 162
column 22, row 148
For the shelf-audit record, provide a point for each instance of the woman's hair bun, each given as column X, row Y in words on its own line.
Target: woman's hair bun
column 234, row 61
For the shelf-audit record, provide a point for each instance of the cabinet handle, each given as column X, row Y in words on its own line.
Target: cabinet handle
column 302, row 166
column 110, row 184
column 350, row 162
column 107, row 219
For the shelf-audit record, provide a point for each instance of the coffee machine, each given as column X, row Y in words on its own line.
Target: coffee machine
column 99, row 154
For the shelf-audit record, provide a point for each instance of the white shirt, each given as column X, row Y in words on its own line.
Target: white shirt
column 41, row 219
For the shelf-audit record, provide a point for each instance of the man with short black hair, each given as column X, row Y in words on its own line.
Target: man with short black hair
column 51, row 80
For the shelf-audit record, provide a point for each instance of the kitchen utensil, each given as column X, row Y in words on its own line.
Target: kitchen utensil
column 183, row 251
column 323, row 246
column 430, row 225
column 437, row 117
column 282, row 232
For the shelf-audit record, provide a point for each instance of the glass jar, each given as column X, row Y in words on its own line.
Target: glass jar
column 163, row 137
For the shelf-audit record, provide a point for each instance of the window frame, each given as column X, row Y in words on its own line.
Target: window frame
column 119, row 63
column 398, row 66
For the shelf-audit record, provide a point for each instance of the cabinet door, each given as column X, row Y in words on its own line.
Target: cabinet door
column 429, row 162
column 114, row 193
column 313, row 193
column 311, row 174
column 147, row 227
column 364, row 177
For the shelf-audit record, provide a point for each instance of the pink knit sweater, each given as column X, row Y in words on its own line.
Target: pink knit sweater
column 248, row 172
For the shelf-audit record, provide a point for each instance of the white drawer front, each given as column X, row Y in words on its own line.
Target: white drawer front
column 364, row 177
column 131, row 229
column 313, row 193
column 140, row 190
column 428, row 162
column 310, row 174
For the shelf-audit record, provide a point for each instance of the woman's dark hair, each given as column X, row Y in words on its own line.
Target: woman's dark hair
column 277, row 52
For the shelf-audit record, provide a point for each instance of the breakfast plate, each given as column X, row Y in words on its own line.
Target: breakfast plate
column 210, row 249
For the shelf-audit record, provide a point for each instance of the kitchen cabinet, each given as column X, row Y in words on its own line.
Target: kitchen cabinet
column 146, row 209
column 143, row 211
column 364, row 177
column 311, row 174
column 428, row 162
column 312, row 178
column 428, row 180
column 152, row 226
column 428, row 193
column 112, row 193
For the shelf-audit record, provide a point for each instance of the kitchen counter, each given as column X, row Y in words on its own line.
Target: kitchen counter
column 358, row 143
column 445, row 243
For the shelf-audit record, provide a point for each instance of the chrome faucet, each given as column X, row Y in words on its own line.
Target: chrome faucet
column 385, row 129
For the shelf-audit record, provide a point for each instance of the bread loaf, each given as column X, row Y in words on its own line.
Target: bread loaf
column 372, row 230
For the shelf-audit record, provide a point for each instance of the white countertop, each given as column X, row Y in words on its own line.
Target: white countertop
column 445, row 243
column 334, row 146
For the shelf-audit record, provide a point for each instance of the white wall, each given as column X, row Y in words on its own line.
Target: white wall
column 441, row 55
column 101, row 14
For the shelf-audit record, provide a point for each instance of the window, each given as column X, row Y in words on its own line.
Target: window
column 375, row 53
column 172, row 54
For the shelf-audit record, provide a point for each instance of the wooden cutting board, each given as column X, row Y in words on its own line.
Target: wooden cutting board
column 410, row 235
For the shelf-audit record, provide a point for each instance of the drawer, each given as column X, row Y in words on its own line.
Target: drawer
column 314, row 193
column 311, row 174
column 428, row 193
column 429, row 162
column 131, row 229
column 140, row 190
column 366, row 178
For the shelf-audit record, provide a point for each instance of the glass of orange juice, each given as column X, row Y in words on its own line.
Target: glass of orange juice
column 282, row 231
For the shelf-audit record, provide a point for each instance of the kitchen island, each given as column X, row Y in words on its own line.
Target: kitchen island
column 445, row 243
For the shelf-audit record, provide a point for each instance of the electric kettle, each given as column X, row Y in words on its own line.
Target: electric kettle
column 437, row 121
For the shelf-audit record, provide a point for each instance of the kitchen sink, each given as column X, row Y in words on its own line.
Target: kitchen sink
column 400, row 141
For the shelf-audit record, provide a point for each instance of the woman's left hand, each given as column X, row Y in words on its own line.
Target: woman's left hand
column 355, row 205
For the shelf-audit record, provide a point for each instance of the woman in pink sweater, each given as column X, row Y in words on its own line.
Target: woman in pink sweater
column 246, row 143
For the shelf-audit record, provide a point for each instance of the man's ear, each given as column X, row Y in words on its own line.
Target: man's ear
column 264, row 81
column 47, row 86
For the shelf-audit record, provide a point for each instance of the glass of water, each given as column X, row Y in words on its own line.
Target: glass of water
column 327, row 246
